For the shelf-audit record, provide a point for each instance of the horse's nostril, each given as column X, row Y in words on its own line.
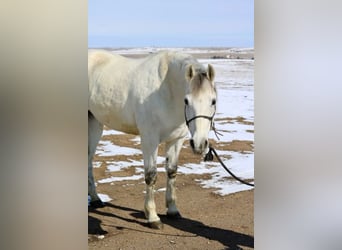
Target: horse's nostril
column 206, row 143
column 192, row 143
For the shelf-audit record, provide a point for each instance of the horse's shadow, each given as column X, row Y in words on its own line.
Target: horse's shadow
column 114, row 215
column 94, row 226
column 229, row 238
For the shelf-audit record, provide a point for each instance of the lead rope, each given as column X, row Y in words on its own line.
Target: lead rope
column 209, row 157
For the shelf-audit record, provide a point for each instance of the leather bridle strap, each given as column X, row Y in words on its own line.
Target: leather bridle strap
column 210, row 118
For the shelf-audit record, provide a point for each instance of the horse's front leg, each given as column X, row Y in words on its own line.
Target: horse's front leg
column 172, row 152
column 95, row 129
column 150, row 166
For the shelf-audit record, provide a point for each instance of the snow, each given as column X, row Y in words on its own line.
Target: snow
column 97, row 164
column 111, row 132
column 235, row 88
column 147, row 50
column 124, row 178
column 107, row 148
column 113, row 166
column 103, row 198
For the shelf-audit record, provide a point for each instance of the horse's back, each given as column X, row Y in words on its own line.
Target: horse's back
column 98, row 59
column 129, row 94
column 119, row 86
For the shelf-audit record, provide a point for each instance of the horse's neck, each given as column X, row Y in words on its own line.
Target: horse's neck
column 177, row 82
column 178, row 85
column 177, row 70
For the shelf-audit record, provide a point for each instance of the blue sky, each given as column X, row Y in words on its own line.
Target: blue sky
column 176, row 23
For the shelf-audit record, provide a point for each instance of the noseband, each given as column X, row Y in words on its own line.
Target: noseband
column 210, row 118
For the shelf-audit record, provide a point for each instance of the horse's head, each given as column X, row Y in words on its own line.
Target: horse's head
column 200, row 106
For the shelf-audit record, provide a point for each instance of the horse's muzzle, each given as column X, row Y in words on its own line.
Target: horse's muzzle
column 201, row 148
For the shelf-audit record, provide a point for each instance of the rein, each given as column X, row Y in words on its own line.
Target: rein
column 209, row 156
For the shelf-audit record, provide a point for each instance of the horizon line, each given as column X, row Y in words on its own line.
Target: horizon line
column 174, row 47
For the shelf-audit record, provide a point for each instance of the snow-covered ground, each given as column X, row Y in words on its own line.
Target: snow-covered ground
column 235, row 87
column 147, row 50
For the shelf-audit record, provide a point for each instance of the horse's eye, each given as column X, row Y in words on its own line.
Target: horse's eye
column 186, row 101
column 213, row 102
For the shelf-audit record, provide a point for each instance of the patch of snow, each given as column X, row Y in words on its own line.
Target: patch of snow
column 107, row 148
column 111, row 132
column 123, row 178
column 103, row 198
column 161, row 190
column 97, row 164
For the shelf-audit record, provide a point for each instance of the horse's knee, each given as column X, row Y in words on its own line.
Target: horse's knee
column 151, row 177
column 172, row 172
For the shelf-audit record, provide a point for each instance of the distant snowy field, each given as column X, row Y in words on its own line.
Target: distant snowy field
column 147, row 50
column 235, row 87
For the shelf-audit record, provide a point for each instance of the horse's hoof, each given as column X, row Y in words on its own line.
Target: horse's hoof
column 156, row 225
column 97, row 204
column 173, row 216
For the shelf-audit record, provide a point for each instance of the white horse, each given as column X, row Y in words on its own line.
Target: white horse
column 158, row 97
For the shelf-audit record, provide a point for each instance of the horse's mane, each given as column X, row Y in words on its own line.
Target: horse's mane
column 182, row 61
column 178, row 60
column 200, row 82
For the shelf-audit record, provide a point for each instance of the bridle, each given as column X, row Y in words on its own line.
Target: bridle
column 210, row 118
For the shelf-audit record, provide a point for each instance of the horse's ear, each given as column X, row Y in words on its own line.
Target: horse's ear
column 211, row 73
column 190, row 72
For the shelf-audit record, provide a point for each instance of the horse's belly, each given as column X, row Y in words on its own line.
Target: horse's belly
column 109, row 107
column 123, row 127
column 118, row 122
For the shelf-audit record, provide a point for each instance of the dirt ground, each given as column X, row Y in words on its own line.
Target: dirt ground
column 210, row 221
